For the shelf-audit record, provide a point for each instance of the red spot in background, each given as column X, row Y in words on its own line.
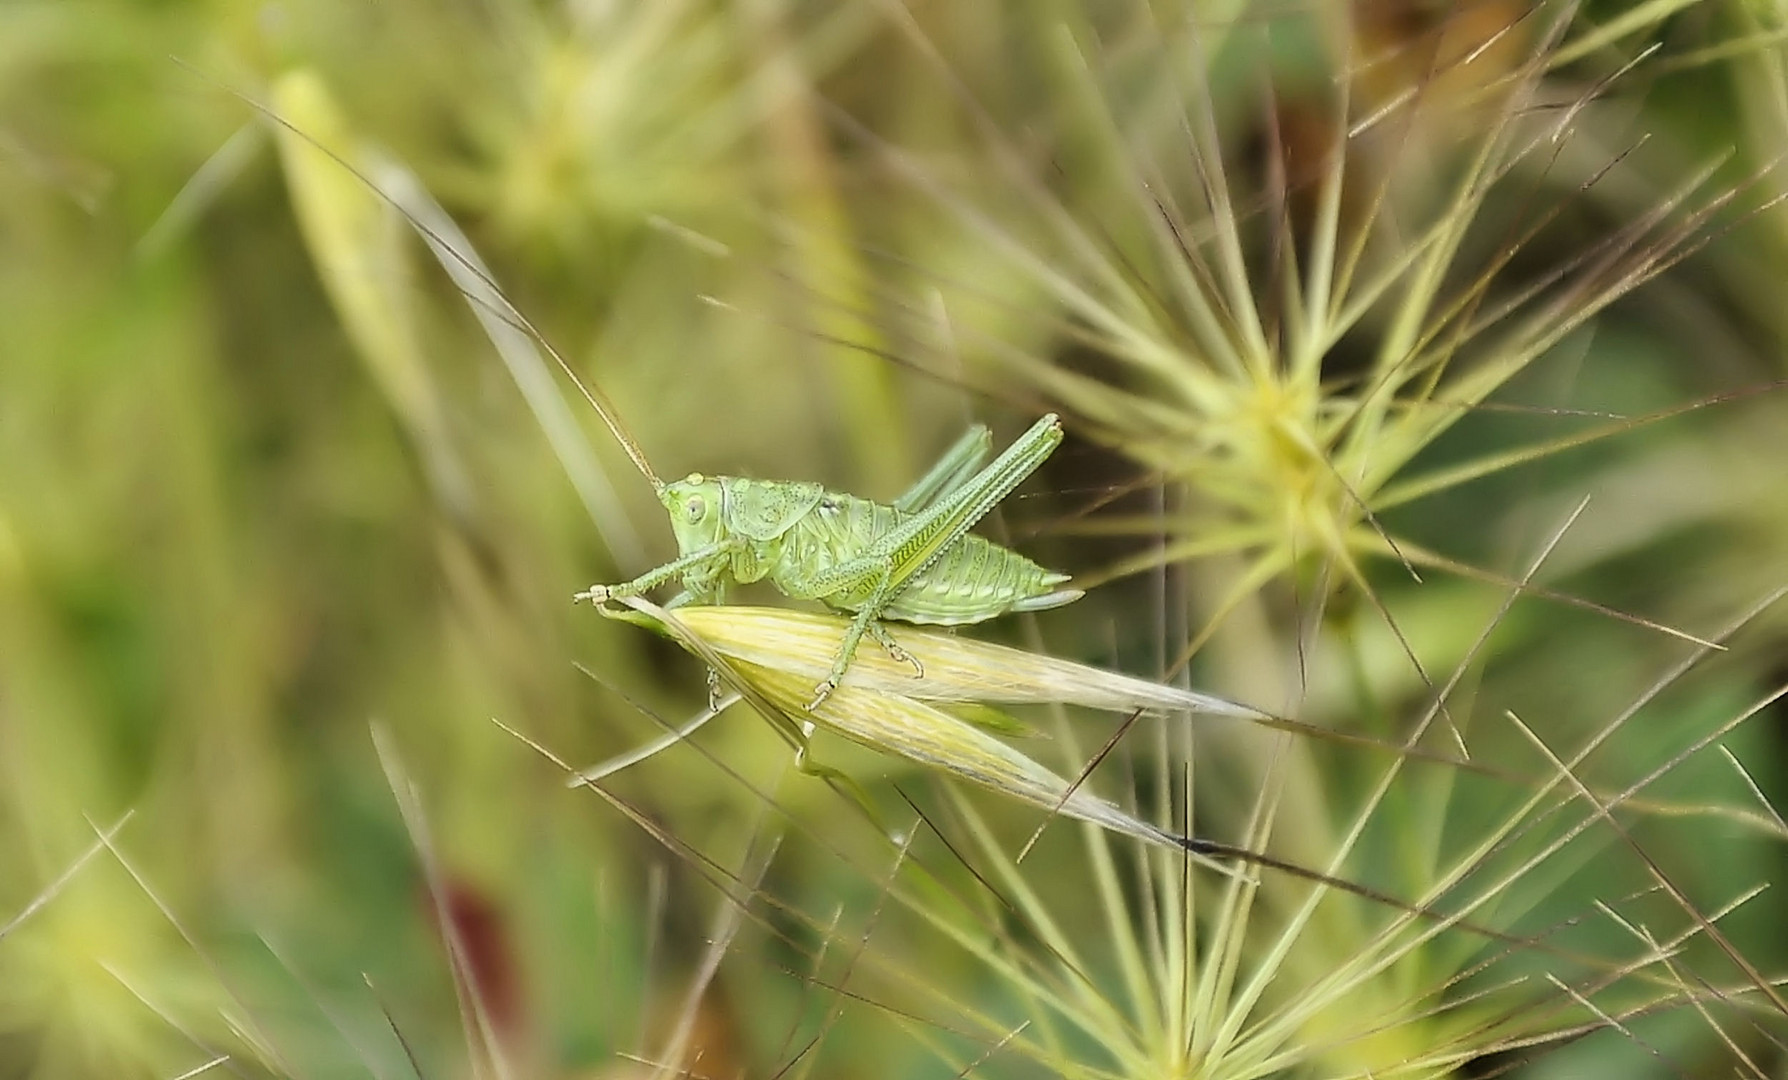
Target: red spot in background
column 478, row 925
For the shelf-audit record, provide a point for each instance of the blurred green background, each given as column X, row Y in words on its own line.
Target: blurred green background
column 270, row 499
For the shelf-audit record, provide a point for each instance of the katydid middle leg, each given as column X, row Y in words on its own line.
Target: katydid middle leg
column 849, row 578
column 955, row 467
column 879, row 631
column 894, row 559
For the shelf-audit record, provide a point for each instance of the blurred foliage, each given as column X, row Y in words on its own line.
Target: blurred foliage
column 282, row 530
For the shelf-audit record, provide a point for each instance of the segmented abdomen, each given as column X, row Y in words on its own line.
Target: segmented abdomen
column 972, row 580
column 977, row 579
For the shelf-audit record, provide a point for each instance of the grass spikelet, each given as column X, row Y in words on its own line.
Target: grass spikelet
column 361, row 256
column 775, row 657
column 957, row 668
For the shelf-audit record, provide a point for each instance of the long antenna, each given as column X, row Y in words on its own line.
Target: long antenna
column 508, row 311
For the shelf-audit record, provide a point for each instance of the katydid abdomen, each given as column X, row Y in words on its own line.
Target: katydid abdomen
column 969, row 581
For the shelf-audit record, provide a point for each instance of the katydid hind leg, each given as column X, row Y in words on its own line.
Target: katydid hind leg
column 919, row 541
column 952, row 470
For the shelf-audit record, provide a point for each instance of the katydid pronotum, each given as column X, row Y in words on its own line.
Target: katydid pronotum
column 914, row 561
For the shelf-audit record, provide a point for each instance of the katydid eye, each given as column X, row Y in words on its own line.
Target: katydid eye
column 696, row 508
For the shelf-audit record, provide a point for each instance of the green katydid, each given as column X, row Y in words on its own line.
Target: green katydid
column 914, row 561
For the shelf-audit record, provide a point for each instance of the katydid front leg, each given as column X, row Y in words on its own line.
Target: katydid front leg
column 712, row 591
column 706, row 587
column 894, row 559
column 651, row 579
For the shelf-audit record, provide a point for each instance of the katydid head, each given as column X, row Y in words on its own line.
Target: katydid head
column 694, row 506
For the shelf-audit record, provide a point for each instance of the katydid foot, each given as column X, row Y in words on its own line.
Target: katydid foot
column 894, row 651
column 597, row 595
column 821, row 693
